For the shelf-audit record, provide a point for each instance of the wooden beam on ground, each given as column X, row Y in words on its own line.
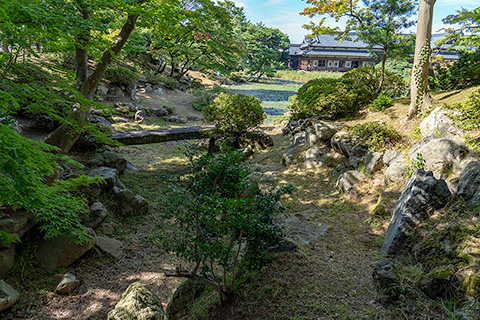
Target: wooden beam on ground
column 162, row 135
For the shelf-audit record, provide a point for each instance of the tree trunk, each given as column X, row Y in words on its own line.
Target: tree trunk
column 382, row 76
column 419, row 93
column 66, row 135
column 82, row 40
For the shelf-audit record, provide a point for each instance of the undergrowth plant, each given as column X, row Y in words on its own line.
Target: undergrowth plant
column 234, row 115
column 24, row 164
column 376, row 135
column 223, row 222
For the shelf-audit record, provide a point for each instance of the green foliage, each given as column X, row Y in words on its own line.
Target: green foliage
column 367, row 79
column 470, row 112
column 204, row 98
column 324, row 97
column 468, row 20
column 376, row 135
column 382, row 102
column 265, row 50
column 234, row 115
column 343, row 97
column 121, row 76
column 463, row 73
column 24, row 164
column 221, row 222
column 154, row 79
column 170, row 83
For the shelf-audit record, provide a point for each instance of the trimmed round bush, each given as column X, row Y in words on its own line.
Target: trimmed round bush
column 234, row 115
column 121, row 76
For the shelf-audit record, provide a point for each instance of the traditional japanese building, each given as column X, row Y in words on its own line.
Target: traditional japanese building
column 325, row 53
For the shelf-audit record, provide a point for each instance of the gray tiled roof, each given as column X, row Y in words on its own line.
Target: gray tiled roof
column 343, row 53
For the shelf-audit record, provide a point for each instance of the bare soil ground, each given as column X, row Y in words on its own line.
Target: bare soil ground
column 327, row 279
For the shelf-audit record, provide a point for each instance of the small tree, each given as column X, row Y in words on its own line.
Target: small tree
column 234, row 115
column 220, row 223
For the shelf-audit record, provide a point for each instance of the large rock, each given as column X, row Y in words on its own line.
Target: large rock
column 96, row 214
column 298, row 139
column 422, row 193
column 62, row 251
column 396, row 172
column 138, row 302
column 141, row 116
column 8, row 295
column 291, row 156
column 102, row 90
column 386, row 282
column 324, row 130
column 7, row 260
column 67, row 284
column 439, row 123
column 441, row 156
column 356, row 156
column 302, row 231
column 315, row 157
column 110, row 176
column 468, row 187
column 373, row 162
column 101, row 121
column 342, row 142
column 108, row 159
column 110, row 246
column 390, row 157
column 128, row 204
column 183, row 298
column 18, row 225
column 348, row 181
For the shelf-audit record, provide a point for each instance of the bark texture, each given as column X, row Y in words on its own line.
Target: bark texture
column 419, row 93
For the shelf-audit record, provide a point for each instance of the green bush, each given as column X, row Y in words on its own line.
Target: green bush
column 218, row 221
column 236, row 77
column 234, row 115
column 153, row 78
column 324, row 97
column 121, row 76
column 470, row 111
column 376, row 135
column 170, row 83
column 345, row 96
column 24, row 164
column 463, row 73
column 204, row 98
column 382, row 102
column 365, row 82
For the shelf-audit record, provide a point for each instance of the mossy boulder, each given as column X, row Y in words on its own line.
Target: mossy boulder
column 452, row 255
column 138, row 302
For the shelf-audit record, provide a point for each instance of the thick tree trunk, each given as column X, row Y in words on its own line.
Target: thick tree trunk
column 419, row 93
column 382, row 76
column 66, row 135
column 82, row 40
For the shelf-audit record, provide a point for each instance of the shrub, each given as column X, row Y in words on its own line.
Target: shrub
column 24, row 163
column 153, row 78
column 236, row 77
column 324, row 97
column 463, row 73
column 376, row 135
column 382, row 102
column 217, row 223
column 170, row 83
column 204, row 98
column 121, row 76
column 470, row 112
column 343, row 97
column 234, row 115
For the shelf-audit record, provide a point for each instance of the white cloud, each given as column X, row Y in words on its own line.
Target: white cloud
column 271, row 3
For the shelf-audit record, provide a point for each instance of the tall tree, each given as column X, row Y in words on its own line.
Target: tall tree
column 264, row 48
column 378, row 23
column 419, row 92
column 468, row 33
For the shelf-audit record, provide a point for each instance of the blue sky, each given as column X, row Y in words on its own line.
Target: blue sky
column 284, row 14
